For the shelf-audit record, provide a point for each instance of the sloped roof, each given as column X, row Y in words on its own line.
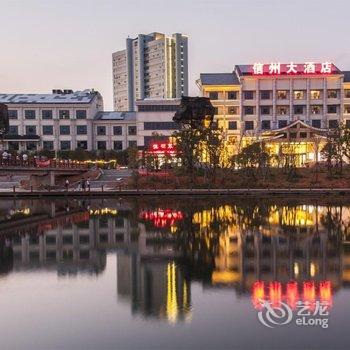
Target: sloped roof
column 115, row 116
column 346, row 76
column 219, row 79
column 77, row 97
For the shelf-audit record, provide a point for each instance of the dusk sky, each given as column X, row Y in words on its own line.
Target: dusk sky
column 69, row 43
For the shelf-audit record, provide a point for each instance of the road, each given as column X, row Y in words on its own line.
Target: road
column 109, row 177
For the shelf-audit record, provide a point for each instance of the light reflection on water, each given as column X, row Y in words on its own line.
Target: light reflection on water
column 169, row 273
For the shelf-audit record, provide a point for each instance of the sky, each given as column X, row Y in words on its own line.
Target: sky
column 47, row 44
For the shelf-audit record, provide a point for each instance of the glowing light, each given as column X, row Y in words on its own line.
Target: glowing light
column 292, row 68
column 309, row 68
column 292, row 294
column 258, row 294
column 309, row 293
column 312, row 269
column 258, row 68
column 326, row 67
column 172, row 306
column 275, row 293
column 275, row 68
column 326, row 292
column 296, row 269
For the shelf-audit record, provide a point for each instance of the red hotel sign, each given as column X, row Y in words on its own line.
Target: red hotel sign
column 276, row 68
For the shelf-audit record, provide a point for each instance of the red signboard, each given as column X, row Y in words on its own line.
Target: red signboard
column 162, row 148
column 290, row 69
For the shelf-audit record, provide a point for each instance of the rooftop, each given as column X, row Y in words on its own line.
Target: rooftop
column 219, row 79
column 346, row 76
column 127, row 116
column 57, row 97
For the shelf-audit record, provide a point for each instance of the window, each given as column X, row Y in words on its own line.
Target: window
column 282, row 110
column 266, row 125
column 158, row 108
column 81, row 129
column 13, row 130
column 118, row 145
column 63, row 114
column 303, row 135
column 232, row 110
column 48, row 145
column 347, row 93
column 315, row 109
column 13, row 145
column 160, row 126
column 101, row 130
column 216, row 110
column 80, row 114
column 248, row 110
column 265, row 94
column 333, row 124
column 82, row 144
column 47, row 130
column 46, row 114
column 298, row 109
column 232, row 125
column 282, row 123
column 298, row 94
column 29, row 114
column 64, row 130
column 347, row 123
column 30, row 130
column 232, row 95
column 31, row 146
column 315, row 94
column 249, row 125
column 332, row 94
column 248, row 95
column 132, row 130
column 65, row 145
column 101, row 145
column 214, row 95
column 132, row 143
column 282, row 94
column 347, row 109
column 117, row 130
column 316, row 123
column 265, row 110
column 331, row 109
column 13, row 114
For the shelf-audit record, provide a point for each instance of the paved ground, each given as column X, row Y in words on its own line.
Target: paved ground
column 109, row 177
column 9, row 182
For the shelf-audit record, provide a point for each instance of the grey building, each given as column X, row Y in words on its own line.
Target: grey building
column 151, row 66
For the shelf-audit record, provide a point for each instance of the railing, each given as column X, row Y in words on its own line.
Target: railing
column 39, row 163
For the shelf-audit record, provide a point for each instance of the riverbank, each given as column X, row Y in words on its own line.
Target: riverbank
column 179, row 192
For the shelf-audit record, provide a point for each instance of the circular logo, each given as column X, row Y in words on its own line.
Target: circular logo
column 275, row 316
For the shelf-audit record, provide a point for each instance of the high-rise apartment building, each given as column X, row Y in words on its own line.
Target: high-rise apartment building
column 151, row 66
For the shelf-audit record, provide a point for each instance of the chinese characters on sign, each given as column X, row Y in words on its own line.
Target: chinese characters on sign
column 276, row 68
column 162, row 148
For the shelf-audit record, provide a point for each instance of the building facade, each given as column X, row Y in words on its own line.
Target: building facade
column 151, row 66
column 269, row 100
column 67, row 120
column 58, row 121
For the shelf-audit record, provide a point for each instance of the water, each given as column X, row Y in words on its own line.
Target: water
column 176, row 273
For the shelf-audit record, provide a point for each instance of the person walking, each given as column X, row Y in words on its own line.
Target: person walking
column 88, row 183
column 67, row 184
column 83, row 184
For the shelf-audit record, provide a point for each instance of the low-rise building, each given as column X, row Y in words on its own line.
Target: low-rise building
column 58, row 121
column 67, row 120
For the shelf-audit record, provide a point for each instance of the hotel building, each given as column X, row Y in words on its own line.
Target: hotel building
column 152, row 66
column 287, row 104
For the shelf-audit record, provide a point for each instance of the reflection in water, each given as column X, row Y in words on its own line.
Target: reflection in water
column 276, row 252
